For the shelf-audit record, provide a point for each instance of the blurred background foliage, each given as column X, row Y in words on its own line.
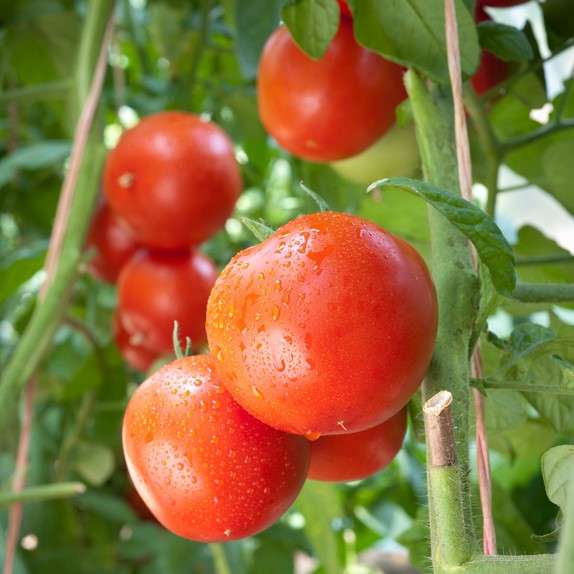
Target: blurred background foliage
column 202, row 56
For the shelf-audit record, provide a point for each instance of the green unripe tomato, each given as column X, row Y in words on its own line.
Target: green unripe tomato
column 395, row 154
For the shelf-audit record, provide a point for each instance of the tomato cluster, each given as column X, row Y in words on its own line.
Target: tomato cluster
column 318, row 336
column 170, row 183
column 322, row 332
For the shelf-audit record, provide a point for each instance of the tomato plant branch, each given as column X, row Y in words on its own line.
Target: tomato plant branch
column 528, row 388
column 464, row 165
column 457, row 291
column 41, row 493
column 489, row 144
column 19, row 477
column 202, row 43
column 565, row 558
column 552, row 128
column 219, row 559
column 544, row 292
column 535, row 564
column 545, row 259
column 81, row 186
column 57, row 89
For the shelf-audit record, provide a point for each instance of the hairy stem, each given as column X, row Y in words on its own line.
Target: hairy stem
column 535, row 564
column 457, row 290
column 544, row 292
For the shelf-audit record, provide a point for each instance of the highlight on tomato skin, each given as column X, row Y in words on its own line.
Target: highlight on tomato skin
column 355, row 456
column 114, row 244
column 133, row 352
column 174, row 178
column 207, row 469
column 326, row 327
column 157, row 288
column 328, row 109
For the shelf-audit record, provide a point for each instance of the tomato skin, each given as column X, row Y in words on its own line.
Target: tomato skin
column 327, row 109
column 354, row 456
column 344, row 8
column 155, row 289
column 207, row 469
column 133, row 353
column 395, row 154
column 173, row 178
column 114, row 244
column 326, row 327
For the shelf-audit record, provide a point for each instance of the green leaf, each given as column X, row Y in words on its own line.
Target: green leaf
column 94, row 463
column 35, row 156
column 506, row 42
column 260, row 230
column 558, row 473
column 312, row 23
column 320, row 504
column 255, row 20
column 412, row 33
column 491, row 246
column 321, row 203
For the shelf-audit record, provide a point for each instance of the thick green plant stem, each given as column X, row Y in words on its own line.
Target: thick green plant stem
column 544, row 292
column 565, row 558
column 47, row 315
column 457, row 290
column 489, row 144
column 41, row 493
column 535, row 564
column 219, row 559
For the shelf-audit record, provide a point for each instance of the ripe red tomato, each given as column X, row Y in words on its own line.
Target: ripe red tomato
column 355, row 456
column 344, row 8
column 114, row 243
column 133, row 352
column 206, row 468
column 327, row 109
column 173, row 178
column 156, row 289
column 325, row 327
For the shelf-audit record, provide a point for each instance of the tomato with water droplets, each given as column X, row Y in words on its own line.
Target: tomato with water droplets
column 114, row 244
column 207, row 469
column 157, row 288
column 326, row 327
column 173, row 177
column 327, row 109
column 354, row 456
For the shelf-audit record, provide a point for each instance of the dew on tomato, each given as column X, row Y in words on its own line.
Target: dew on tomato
column 207, row 469
column 333, row 327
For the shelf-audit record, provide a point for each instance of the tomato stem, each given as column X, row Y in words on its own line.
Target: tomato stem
column 457, row 291
column 41, row 493
column 38, row 334
column 219, row 559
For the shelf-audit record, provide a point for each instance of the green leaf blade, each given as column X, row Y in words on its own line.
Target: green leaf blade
column 491, row 246
column 312, row 24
